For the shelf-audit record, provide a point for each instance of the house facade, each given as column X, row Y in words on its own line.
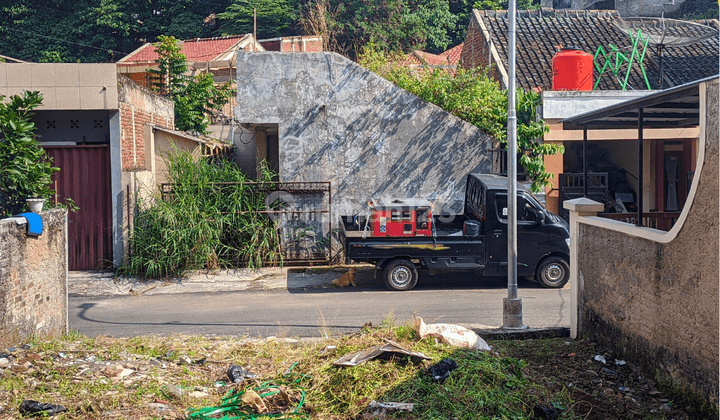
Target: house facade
column 96, row 126
column 669, row 156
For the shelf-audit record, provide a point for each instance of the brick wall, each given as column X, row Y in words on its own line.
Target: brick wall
column 33, row 279
column 139, row 106
column 476, row 51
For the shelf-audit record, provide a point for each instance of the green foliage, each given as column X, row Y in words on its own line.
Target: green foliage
column 476, row 98
column 209, row 221
column 98, row 30
column 51, row 57
column 25, row 170
column 170, row 76
column 273, row 17
column 106, row 30
column 195, row 98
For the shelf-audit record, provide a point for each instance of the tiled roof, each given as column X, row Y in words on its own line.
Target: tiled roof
column 431, row 59
column 540, row 33
column 453, row 54
column 196, row 50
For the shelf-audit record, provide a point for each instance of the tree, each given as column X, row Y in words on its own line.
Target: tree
column 25, row 169
column 476, row 98
column 195, row 98
column 274, row 17
column 97, row 30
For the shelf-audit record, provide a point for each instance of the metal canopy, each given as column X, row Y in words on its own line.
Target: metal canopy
column 677, row 107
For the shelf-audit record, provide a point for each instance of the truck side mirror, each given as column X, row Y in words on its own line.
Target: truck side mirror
column 540, row 217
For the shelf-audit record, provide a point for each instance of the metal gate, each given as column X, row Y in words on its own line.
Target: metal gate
column 84, row 177
column 301, row 212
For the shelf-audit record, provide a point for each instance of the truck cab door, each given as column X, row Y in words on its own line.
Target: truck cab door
column 531, row 235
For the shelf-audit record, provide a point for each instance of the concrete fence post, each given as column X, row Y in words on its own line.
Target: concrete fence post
column 578, row 207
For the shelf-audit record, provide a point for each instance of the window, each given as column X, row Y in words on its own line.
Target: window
column 524, row 206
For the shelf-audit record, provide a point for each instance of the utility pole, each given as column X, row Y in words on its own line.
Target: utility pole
column 512, row 305
column 254, row 28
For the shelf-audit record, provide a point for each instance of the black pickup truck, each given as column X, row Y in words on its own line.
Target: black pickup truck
column 475, row 240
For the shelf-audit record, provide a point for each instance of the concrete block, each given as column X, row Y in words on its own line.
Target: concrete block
column 97, row 74
column 68, row 97
column 18, row 75
column 49, row 99
column 43, row 74
column 15, row 91
column 3, row 75
column 92, row 97
column 67, row 74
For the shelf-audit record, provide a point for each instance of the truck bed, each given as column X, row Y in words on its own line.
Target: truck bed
column 448, row 248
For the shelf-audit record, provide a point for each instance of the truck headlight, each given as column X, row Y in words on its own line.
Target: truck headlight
column 567, row 241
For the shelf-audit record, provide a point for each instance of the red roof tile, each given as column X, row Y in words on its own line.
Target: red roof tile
column 431, row 59
column 196, row 50
column 453, row 54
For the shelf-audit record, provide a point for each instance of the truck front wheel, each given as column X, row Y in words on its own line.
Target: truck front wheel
column 400, row 275
column 553, row 272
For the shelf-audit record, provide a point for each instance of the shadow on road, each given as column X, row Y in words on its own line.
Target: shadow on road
column 85, row 314
column 366, row 279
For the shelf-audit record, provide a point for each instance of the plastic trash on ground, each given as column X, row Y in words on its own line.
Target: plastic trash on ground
column 441, row 371
column 238, row 374
column 454, row 335
column 382, row 351
column 381, row 410
column 600, row 358
column 28, row 407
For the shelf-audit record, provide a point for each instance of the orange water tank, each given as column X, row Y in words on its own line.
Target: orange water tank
column 572, row 70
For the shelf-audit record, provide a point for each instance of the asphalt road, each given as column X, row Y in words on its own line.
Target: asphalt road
column 314, row 312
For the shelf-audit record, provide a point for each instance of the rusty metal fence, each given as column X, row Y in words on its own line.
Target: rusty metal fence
column 301, row 213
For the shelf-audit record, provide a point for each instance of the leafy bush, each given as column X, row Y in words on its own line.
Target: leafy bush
column 210, row 220
column 25, row 169
column 478, row 99
column 196, row 98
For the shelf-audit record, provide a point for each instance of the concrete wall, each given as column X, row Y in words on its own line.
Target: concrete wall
column 64, row 86
column 339, row 122
column 653, row 296
column 33, row 278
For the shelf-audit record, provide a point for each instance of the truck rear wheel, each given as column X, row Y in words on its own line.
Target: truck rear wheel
column 553, row 272
column 400, row 275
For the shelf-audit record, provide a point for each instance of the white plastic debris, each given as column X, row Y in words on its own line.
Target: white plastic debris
column 620, row 362
column 454, row 335
column 600, row 358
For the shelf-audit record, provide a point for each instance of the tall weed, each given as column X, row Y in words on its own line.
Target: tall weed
column 210, row 220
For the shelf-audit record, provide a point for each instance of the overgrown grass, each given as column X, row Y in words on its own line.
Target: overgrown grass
column 210, row 220
column 508, row 383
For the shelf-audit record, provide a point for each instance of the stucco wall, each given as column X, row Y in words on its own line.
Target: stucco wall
column 339, row 122
column 655, row 302
column 33, row 278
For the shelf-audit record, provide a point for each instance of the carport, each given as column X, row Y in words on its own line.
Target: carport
column 677, row 107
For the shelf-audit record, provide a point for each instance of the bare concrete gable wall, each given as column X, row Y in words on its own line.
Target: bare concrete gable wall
column 339, row 122
column 657, row 303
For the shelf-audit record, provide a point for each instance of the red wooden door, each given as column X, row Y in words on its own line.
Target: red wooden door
column 84, row 176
